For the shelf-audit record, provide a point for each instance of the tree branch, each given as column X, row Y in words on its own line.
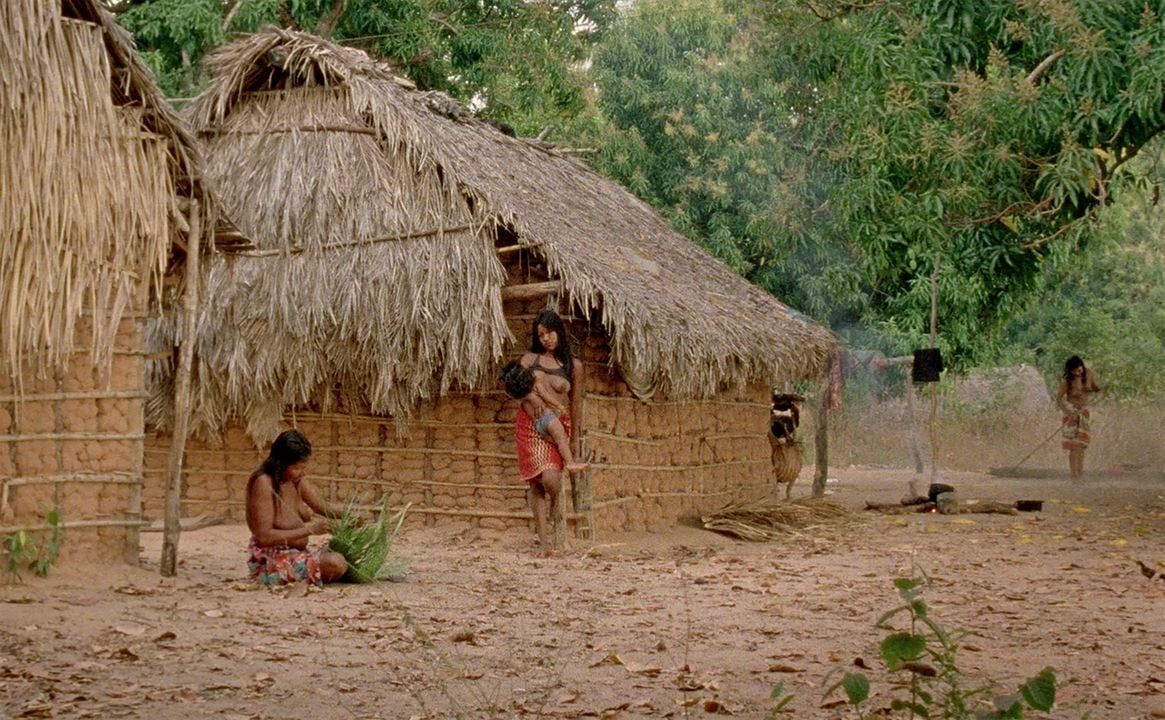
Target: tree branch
column 327, row 23
column 444, row 23
column 1071, row 224
column 286, row 19
column 230, row 16
column 1035, row 75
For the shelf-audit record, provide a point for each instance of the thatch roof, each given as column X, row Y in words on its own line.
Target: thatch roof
column 374, row 208
column 94, row 160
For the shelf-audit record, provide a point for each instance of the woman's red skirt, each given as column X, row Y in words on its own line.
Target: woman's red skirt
column 536, row 454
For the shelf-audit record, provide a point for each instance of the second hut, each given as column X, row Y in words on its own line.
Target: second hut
column 392, row 250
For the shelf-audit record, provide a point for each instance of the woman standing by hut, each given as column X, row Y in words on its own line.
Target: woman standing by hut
column 539, row 463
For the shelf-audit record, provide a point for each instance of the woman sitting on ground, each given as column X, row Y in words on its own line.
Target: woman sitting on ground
column 280, row 505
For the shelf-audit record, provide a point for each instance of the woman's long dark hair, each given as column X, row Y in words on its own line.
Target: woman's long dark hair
column 1073, row 363
column 551, row 321
column 289, row 448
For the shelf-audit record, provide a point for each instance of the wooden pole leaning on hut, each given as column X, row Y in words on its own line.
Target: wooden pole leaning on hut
column 173, row 507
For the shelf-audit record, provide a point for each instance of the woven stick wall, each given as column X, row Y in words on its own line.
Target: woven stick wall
column 658, row 460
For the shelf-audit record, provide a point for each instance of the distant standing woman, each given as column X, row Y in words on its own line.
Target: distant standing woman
column 539, row 463
column 1079, row 382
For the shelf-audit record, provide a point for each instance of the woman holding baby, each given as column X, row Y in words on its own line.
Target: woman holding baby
column 558, row 382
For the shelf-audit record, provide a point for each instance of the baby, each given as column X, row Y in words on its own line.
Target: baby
column 522, row 384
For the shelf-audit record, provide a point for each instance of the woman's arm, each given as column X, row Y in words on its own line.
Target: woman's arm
column 261, row 517
column 313, row 500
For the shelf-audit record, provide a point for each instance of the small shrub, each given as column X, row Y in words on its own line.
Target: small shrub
column 924, row 653
column 24, row 550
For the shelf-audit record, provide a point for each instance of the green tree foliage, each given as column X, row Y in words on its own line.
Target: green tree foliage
column 707, row 134
column 518, row 62
column 834, row 150
column 1109, row 307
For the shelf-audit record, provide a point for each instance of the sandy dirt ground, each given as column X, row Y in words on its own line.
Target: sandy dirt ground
column 683, row 624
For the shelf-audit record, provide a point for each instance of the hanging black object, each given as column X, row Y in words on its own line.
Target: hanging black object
column 928, row 365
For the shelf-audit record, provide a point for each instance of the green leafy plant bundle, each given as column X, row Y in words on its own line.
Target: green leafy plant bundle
column 367, row 546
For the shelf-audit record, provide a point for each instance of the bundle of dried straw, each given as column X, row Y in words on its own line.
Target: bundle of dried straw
column 771, row 519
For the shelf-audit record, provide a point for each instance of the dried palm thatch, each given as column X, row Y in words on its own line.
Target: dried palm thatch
column 373, row 209
column 772, row 519
column 94, row 161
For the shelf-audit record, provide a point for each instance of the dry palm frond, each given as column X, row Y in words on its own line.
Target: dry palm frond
column 771, row 519
column 93, row 162
column 368, row 546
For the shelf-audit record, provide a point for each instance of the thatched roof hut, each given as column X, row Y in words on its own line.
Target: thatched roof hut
column 374, row 213
column 99, row 192
column 94, row 163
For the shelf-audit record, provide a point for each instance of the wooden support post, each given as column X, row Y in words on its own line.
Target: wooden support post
column 582, row 496
column 168, row 565
column 531, row 291
column 137, row 471
column 934, row 385
column 59, row 427
column 430, row 441
column 821, row 433
column 912, row 427
column 333, row 464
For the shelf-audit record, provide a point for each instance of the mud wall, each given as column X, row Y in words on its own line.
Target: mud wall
column 454, row 463
column 72, row 440
column 659, row 461
column 654, row 462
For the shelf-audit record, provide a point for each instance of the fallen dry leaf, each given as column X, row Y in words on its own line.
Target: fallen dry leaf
column 638, row 669
column 716, row 707
column 611, row 659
